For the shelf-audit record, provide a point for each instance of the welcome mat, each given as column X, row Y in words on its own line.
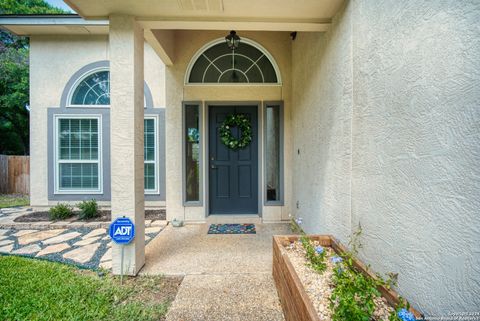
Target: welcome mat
column 232, row 229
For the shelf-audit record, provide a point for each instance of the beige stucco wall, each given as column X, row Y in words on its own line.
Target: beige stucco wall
column 387, row 118
column 53, row 60
column 187, row 43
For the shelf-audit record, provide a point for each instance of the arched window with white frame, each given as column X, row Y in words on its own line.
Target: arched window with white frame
column 78, row 145
column 216, row 63
column 93, row 89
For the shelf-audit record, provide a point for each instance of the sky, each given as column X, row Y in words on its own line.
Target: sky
column 60, row 4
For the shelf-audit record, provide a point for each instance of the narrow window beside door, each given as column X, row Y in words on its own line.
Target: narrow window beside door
column 273, row 154
column 192, row 153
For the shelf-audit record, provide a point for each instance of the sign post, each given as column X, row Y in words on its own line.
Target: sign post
column 122, row 232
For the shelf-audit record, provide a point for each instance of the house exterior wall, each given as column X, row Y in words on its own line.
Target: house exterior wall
column 390, row 95
column 53, row 61
column 187, row 43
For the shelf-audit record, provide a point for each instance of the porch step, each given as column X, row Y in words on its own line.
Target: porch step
column 226, row 219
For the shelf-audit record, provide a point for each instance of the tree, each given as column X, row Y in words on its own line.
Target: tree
column 14, row 83
column 14, row 89
column 28, row 7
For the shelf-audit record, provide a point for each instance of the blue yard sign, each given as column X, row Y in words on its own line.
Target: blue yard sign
column 122, row 230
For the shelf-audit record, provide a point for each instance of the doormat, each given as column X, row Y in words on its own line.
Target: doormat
column 232, row 229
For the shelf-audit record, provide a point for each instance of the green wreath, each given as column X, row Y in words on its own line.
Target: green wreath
column 240, row 121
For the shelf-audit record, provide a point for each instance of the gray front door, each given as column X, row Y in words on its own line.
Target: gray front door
column 233, row 174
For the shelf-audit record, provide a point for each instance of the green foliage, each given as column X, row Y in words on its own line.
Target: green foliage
column 244, row 126
column 88, row 209
column 353, row 295
column 295, row 228
column 8, row 40
column 13, row 200
column 14, row 96
column 42, row 290
column 60, row 211
column 316, row 260
column 403, row 304
column 354, row 242
column 27, row 7
column 390, row 282
column 14, row 84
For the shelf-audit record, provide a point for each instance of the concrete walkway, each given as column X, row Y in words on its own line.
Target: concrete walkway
column 227, row 277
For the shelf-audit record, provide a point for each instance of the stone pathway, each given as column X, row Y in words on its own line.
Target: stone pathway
column 82, row 245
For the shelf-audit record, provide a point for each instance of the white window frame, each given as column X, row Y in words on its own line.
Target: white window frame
column 99, row 161
column 252, row 43
column 156, row 154
column 78, row 81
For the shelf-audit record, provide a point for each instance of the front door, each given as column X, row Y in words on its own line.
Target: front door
column 233, row 174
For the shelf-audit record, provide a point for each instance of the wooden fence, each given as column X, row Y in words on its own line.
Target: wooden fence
column 14, row 174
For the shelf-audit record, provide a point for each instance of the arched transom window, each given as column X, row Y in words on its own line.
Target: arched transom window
column 93, row 89
column 249, row 63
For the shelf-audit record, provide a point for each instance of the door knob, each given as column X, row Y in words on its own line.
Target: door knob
column 213, row 167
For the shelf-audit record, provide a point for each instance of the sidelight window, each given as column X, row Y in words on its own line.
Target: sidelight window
column 192, row 142
column 273, row 154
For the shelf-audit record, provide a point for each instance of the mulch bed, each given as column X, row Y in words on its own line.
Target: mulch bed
column 105, row 216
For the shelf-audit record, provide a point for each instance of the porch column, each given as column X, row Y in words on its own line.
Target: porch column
column 126, row 129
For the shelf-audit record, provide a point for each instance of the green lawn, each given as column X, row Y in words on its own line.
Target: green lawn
column 40, row 290
column 7, row 200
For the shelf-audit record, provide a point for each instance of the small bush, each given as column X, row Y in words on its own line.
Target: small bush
column 315, row 256
column 88, row 209
column 60, row 211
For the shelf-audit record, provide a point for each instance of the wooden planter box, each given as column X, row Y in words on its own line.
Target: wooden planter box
column 295, row 302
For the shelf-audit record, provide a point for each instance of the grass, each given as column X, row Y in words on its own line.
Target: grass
column 10, row 200
column 41, row 290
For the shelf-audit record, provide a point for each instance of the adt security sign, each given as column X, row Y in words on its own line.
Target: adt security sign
column 122, row 230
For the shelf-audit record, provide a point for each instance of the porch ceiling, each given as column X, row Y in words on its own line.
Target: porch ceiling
column 282, row 15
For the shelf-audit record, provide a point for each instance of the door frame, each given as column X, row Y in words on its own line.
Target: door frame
column 259, row 106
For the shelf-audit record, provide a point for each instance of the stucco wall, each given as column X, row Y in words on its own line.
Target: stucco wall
column 390, row 95
column 321, row 120
column 187, row 43
column 53, row 60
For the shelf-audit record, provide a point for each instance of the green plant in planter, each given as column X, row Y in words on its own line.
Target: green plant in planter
column 402, row 312
column 353, row 295
column 60, row 211
column 294, row 226
column 88, row 209
column 315, row 255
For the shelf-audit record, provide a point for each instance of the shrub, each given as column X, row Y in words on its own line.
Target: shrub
column 88, row 209
column 60, row 211
column 315, row 255
column 353, row 295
